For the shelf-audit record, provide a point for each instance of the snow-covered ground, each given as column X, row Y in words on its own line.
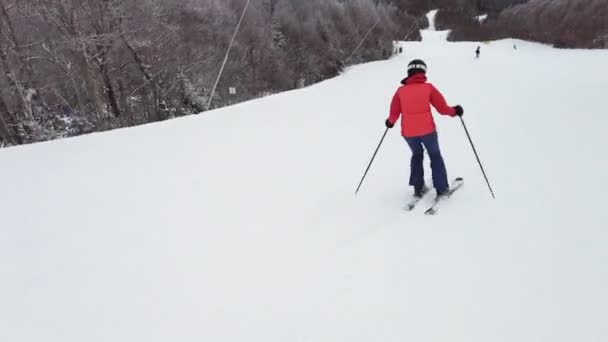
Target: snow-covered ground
column 242, row 225
column 431, row 35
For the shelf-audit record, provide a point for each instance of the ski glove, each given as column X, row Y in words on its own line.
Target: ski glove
column 389, row 124
column 459, row 110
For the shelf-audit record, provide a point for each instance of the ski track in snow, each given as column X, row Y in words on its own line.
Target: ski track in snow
column 241, row 224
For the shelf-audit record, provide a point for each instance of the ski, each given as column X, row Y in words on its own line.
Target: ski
column 456, row 184
column 414, row 201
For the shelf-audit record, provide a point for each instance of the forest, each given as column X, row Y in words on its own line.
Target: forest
column 70, row 67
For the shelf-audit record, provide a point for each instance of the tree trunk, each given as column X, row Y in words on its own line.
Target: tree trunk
column 7, row 124
column 109, row 89
column 92, row 86
column 16, row 86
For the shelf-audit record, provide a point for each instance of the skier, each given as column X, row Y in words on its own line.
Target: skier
column 412, row 102
column 477, row 52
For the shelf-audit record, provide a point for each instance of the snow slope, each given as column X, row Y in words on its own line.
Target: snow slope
column 431, row 35
column 242, row 225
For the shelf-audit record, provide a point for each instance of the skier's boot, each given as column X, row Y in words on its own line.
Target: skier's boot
column 443, row 193
column 419, row 192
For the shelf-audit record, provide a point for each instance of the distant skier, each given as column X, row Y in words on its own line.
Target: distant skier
column 412, row 102
column 477, row 52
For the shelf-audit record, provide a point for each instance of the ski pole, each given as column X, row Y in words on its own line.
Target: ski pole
column 371, row 161
column 477, row 156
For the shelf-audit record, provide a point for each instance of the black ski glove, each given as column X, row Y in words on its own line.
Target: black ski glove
column 459, row 110
column 389, row 124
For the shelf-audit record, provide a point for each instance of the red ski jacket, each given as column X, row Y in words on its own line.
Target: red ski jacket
column 414, row 100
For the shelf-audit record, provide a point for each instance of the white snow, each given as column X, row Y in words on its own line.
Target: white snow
column 242, row 225
column 431, row 35
column 431, row 18
column 482, row 18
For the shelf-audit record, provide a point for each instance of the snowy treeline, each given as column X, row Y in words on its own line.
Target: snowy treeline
column 420, row 7
column 71, row 67
column 574, row 23
column 566, row 24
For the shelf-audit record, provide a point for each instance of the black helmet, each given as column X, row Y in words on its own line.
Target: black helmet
column 416, row 66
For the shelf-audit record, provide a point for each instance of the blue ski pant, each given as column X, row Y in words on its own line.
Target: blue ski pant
column 430, row 142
